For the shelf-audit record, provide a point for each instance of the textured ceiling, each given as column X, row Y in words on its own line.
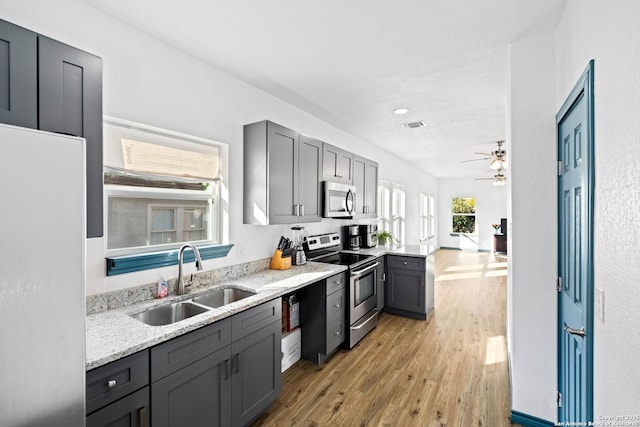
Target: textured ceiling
column 350, row 63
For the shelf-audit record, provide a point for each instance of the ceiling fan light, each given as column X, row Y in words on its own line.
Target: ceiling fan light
column 499, row 182
column 400, row 111
column 498, row 164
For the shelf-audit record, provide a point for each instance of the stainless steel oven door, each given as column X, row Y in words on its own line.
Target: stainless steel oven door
column 362, row 293
column 339, row 200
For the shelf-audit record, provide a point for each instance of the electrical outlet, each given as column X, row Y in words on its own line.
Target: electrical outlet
column 239, row 250
column 599, row 304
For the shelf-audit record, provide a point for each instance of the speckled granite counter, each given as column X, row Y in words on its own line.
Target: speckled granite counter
column 406, row 250
column 113, row 334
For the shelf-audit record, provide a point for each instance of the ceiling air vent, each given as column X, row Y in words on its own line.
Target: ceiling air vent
column 414, row 125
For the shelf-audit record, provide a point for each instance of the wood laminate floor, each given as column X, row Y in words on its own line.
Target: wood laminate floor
column 450, row 370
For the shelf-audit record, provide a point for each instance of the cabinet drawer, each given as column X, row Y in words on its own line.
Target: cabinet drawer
column 336, row 282
column 335, row 306
column 110, row 382
column 256, row 318
column 406, row 262
column 182, row 351
column 335, row 334
column 131, row 411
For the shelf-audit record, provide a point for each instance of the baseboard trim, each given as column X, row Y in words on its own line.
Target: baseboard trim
column 529, row 420
column 461, row 249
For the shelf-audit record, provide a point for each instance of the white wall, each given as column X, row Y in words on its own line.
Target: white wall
column 149, row 82
column 532, row 241
column 542, row 73
column 491, row 206
column 609, row 32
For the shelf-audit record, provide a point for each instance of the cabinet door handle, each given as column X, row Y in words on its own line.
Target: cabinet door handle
column 296, row 210
column 111, row 384
column 336, row 305
column 336, row 333
column 235, row 367
column 384, row 277
column 405, row 263
column 142, row 413
column 301, row 210
column 226, row 371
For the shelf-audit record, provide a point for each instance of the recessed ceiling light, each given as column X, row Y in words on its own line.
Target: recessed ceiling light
column 400, row 111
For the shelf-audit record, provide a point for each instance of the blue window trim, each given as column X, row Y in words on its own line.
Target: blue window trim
column 146, row 261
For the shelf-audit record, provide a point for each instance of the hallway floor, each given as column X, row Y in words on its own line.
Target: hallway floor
column 449, row 371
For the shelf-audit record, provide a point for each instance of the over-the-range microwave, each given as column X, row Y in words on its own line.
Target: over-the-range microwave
column 339, row 200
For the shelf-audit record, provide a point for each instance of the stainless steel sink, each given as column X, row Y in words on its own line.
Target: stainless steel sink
column 220, row 297
column 168, row 314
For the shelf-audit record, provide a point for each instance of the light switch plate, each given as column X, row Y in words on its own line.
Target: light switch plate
column 599, row 304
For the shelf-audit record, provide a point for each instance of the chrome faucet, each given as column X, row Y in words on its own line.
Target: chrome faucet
column 196, row 252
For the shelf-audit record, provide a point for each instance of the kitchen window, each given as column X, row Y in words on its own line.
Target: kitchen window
column 427, row 216
column 162, row 189
column 463, row 209
column 391, row 205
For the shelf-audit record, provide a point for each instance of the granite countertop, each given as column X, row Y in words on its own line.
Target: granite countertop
column 405, row 250
column 113, row 334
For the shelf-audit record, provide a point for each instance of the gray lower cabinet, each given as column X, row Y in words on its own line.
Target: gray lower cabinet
column 365, row 179
column 190, row 378
column 282, row 175
column 223, row 374
column 197, row 395
column 256, row 380
column 322, row 317
column 130, row 411
column 118, row 394
column 406, row 290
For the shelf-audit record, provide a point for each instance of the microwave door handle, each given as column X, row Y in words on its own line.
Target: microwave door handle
column 350, row 196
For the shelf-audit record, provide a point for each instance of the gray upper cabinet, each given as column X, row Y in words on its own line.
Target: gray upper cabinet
column 281, row 175
column 48, row 85
column 70, row 102
column 365, row 179
column 337, row 164
column 18, row 76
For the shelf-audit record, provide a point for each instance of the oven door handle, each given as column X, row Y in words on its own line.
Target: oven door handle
column 365, row 270
column 355, row 328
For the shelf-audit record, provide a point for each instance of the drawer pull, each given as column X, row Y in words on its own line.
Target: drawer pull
column 405, row 263
column 336, row 305
column 142, row 412
column 111, row 384
column 336, row 333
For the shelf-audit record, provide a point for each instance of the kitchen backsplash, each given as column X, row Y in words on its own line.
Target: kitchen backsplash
column 121, row 298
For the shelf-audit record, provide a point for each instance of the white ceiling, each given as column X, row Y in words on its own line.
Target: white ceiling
column 350, row 63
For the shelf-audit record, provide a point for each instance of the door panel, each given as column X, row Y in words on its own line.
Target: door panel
column 575, row 301
column 310, row 177
column 283, row 150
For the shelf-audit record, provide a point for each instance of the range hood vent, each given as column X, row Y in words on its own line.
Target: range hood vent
column 414, row 125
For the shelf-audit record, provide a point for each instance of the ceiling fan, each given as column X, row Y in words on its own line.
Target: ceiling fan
column 498, row 158
column 498, row 179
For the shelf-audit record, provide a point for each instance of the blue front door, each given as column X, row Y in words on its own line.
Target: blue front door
column 575, row 253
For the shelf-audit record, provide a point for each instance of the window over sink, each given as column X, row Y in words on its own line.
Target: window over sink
column 162, row 189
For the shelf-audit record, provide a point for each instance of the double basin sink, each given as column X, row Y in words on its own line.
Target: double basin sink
column 172, row 313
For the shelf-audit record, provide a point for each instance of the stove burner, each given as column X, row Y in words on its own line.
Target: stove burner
column 344, row 258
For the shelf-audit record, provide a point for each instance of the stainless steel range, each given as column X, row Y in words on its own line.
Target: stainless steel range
column 361, row 312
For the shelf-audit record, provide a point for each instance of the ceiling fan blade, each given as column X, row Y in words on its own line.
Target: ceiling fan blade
column 475, row 160
column 484, row 154
column 484, row 179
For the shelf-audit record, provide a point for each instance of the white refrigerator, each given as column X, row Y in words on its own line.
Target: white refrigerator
column 42, row 278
